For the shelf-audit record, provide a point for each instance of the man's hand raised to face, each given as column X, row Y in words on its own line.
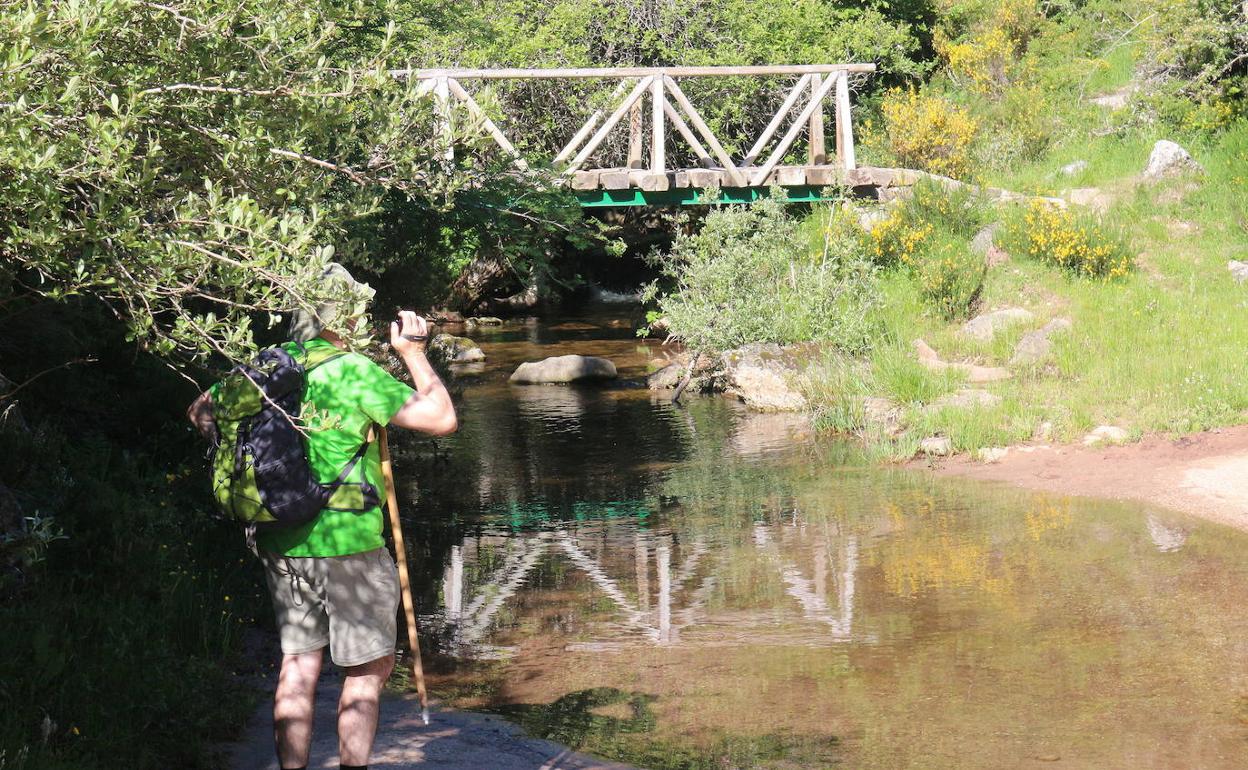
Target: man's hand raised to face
column 429, row 410
column 409, row 334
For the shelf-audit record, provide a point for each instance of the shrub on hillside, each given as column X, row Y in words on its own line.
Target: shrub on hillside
column 981, row 62
column 1201, row 46
column 904, row 235
column 928, row 132
column 1073, row 242
column 951, row 277
column 749, row 275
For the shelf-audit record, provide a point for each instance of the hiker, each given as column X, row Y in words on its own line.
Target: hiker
column 332, row 580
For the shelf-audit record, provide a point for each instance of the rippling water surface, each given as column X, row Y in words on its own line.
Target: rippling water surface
column 700, row 586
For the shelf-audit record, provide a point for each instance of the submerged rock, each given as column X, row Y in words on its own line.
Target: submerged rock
column 984, row 327
column 564, row 369
column 1168, row 159
column 456, row 350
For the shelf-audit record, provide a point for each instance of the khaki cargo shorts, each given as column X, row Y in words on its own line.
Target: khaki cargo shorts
column 347, row 602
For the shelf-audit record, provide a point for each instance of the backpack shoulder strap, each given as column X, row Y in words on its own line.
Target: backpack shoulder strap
column 320, row 355
column 358, row 496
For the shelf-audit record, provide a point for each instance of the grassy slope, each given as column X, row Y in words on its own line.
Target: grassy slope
column 1163, row 350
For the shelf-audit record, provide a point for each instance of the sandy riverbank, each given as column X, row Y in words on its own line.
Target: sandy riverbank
column 1204, row 474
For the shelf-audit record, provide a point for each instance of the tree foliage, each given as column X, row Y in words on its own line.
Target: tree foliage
column 190, row 162
column 750, row 275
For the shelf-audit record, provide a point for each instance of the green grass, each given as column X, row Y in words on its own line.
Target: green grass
column 1162, row 350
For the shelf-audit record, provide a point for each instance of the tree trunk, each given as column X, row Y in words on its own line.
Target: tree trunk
column 479, row 280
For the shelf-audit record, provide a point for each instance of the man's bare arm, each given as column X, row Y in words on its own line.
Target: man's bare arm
column 429, row 409
column 200, row 415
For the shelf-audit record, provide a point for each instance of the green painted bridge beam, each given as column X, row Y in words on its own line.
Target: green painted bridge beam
column 695, row 196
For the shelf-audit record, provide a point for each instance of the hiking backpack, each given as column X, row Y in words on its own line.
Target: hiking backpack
column 260, row 471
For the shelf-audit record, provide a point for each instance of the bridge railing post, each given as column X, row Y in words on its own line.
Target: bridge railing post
column 635, row 139
column 658, row 128
column 445, row 136
column 844, row 128
column 816, row 154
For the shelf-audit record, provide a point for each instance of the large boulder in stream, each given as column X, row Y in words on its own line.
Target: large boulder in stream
column 563, row 370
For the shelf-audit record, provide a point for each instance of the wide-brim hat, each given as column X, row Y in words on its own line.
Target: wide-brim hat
column 339, row 299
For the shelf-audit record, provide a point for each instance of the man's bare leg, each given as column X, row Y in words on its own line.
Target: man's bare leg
column 358, row 709
column 292, row 707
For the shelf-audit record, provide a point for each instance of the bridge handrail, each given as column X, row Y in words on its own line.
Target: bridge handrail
column 629, row 72
column 657, row 85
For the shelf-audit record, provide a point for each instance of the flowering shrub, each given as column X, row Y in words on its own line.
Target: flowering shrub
column 897, row 240
column 905, row 234
column 928, row 132
column 950, row 278
column 981, row 62
column 1074, row 243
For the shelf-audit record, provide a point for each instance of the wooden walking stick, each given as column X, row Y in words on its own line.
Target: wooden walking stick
column 405, row 583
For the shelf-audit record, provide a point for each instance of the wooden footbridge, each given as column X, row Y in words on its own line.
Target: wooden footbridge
column 645, row 176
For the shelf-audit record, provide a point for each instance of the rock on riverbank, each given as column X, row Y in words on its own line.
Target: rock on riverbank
column 763, row 375
column 456, row 350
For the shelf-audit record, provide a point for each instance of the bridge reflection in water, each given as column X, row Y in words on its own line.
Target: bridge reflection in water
column 658, row 587
column 731, row 581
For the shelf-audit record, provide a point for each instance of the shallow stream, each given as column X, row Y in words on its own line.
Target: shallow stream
column 698, row 586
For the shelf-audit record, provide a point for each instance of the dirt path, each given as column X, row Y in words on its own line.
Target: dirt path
column 1204, row 475
column 455, row 740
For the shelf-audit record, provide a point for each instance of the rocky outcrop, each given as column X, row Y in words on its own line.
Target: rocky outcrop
column 985, row 326
column 891, row 184
column 879, row 415
column 1106, row 434
column 456, row 350
column 967, row 398
column 564, row 370
column 1035, row 346
column 1115, row 100
column 1169, row 159
column 1091, row 197
column 985, row 240
column 669, row 373
column 974, row 373
column 484, row 320
column 1072, row 169
column 761, row 375
column 936, row 446
column 992, row 454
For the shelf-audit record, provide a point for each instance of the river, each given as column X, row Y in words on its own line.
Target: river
column 701, row 587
